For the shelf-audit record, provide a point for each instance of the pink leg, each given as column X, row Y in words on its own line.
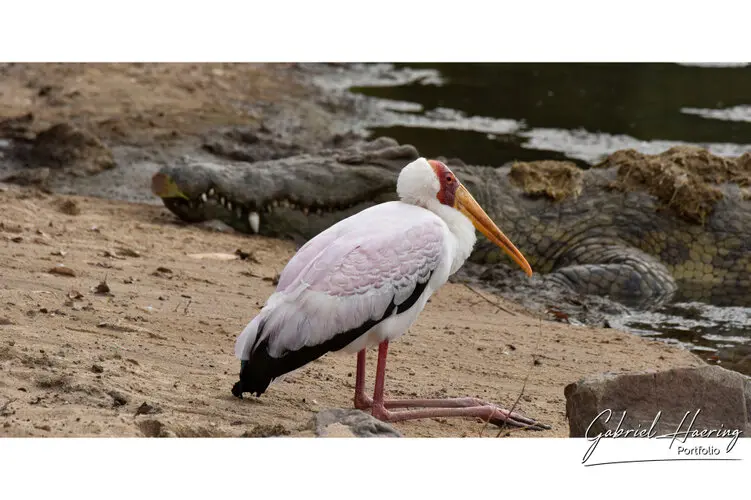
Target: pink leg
column 380, row 380
column 455, row 407
column 362, row 400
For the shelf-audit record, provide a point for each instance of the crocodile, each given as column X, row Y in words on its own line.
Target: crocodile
column 609, row 230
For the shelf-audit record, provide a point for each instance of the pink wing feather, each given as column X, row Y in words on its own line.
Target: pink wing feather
column 349, row 274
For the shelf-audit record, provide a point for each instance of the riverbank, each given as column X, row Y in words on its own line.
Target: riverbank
column 151, row 353
column 79, row 359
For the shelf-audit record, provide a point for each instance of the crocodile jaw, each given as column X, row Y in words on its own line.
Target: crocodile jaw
column 280, row 217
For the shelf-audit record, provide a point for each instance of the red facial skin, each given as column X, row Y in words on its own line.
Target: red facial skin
column 449, row 183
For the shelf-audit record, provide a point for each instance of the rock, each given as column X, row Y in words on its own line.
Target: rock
column 216, row 226
column 65, row 146
column 338, row 422
column 723, row 398
column 59, row 382
column 128, row 252
column 69, row 207
column 17, row 127
column 32, row 177
column 62, row 270
column 262, row 430
column 10, row 227
column 4, row 411
column 154, row 428
column 146, row 409
column 102, row 288
column 214, row 256
column 118, row 399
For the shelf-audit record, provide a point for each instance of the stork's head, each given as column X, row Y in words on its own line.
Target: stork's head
column 423, row 181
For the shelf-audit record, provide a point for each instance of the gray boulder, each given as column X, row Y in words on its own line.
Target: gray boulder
column 338, row 422
column 722, row 398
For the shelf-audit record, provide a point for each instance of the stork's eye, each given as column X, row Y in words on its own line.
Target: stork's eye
column 449, row 178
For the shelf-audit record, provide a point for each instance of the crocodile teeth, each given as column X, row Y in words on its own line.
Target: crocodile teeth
column 319, row 212
column 255, row 221
column 229, row 205
column 222, row 199
column 285, row 203
column 274, row 203
column 305, row 211
column 239, row 211
column 204, row 198
column 212, row 192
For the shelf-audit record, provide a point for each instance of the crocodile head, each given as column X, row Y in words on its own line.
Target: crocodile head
column 288, row 198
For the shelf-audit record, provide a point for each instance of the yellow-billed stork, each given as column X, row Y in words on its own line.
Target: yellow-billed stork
column 363, row 281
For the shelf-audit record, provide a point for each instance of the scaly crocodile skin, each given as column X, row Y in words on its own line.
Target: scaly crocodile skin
column 624, row 245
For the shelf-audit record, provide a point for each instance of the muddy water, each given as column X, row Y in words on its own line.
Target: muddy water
column 496, row 113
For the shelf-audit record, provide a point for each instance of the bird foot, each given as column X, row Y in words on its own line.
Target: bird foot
column 363, row 402
column 455, row 407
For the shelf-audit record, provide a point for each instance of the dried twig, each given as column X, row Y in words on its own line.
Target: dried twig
column 492, row 302
column 521, row 393
column 524, row 385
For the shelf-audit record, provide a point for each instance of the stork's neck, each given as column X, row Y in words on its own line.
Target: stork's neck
column 461, row 229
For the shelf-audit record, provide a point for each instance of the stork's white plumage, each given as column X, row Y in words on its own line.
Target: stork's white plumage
column 363, row 282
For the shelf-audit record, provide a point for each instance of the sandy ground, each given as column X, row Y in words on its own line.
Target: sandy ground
column 151, row 354
column 144, row 104
column 78, row 362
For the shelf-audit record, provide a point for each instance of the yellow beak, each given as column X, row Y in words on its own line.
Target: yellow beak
column 466, row 204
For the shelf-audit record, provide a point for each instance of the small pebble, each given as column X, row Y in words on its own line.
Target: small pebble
column 62, row 270
column 119, row 399
column 145, row 409
column 102, row 288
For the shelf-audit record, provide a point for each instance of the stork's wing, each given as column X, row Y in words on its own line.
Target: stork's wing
column 349, row 276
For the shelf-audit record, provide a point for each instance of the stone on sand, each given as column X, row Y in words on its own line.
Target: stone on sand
column 723, row 398
column 338, row 422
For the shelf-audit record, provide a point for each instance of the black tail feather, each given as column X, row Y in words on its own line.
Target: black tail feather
column 257, row 373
